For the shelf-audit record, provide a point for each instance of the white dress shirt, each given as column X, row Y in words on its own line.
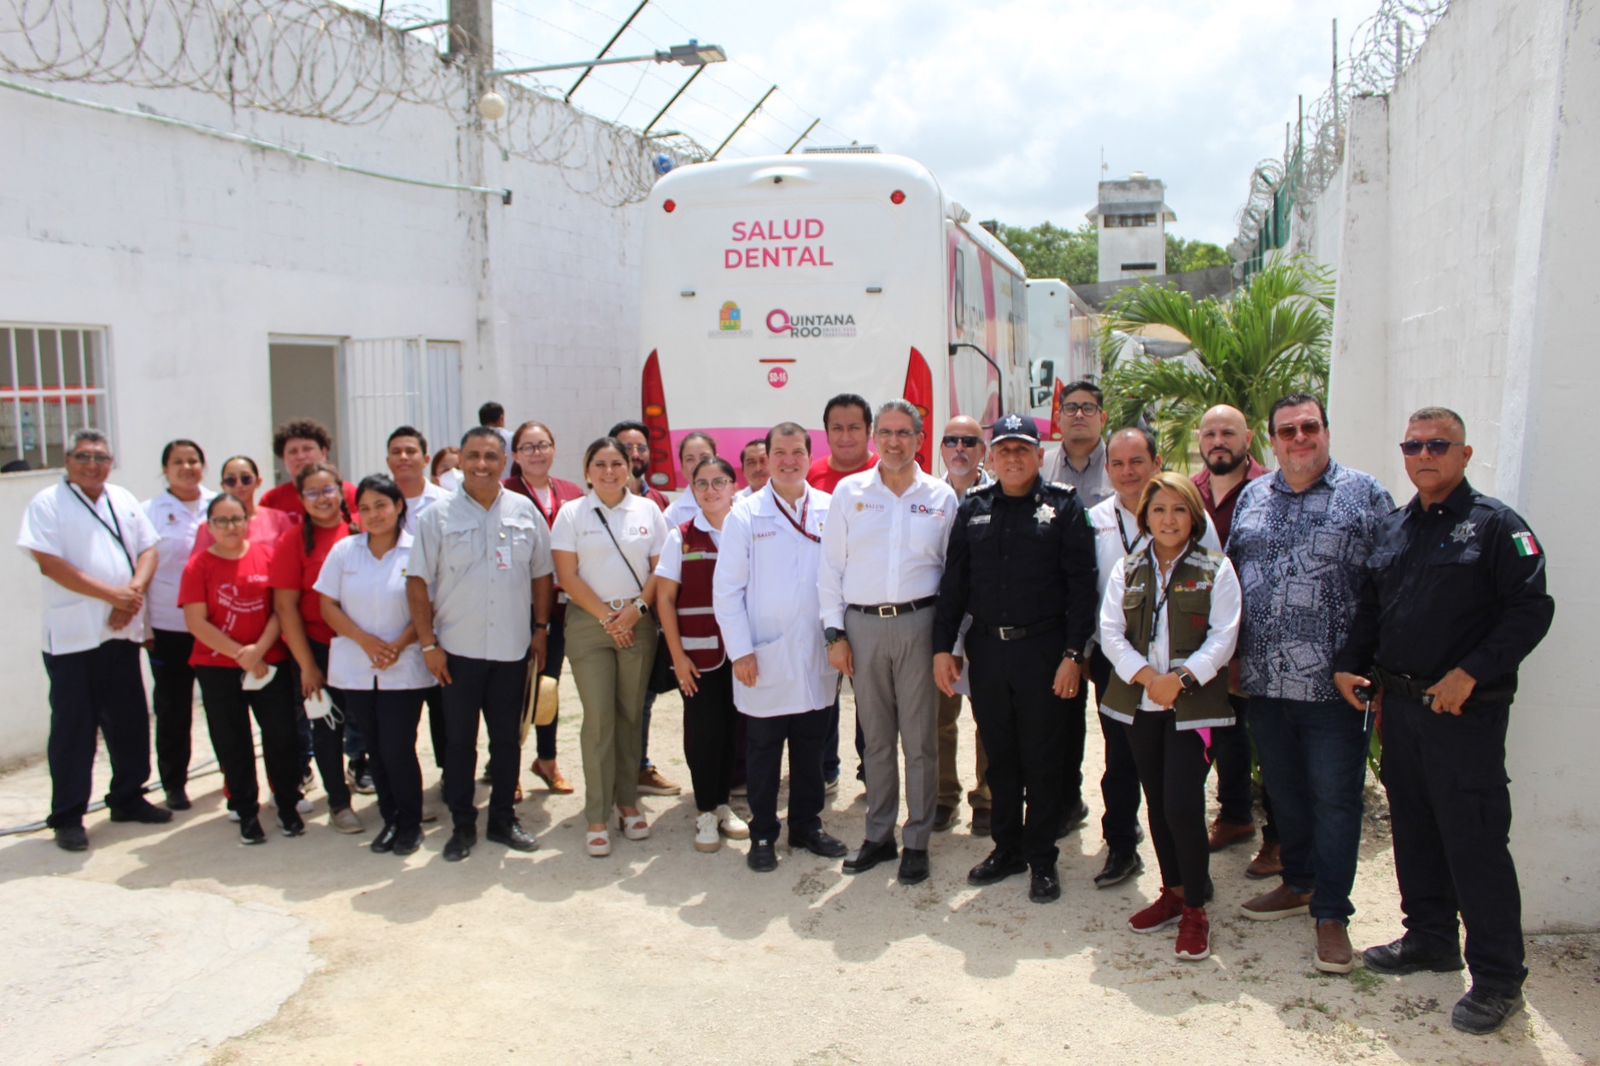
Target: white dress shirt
column 765, row 596
column 1114, row 542
column 372, row 592
column 176, row 522
column 62, row 521
column 883, row 548
column 416, row 505
column 638, row 526
column 1208, row 660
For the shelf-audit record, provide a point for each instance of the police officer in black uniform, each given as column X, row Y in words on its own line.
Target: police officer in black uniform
column 1021, row 562
column 1455, row 600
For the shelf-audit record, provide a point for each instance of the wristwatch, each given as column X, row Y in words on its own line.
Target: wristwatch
column 1074, row 654
column 1189, row 682
column 644, row 608
column 541, row 625
column 832, row 635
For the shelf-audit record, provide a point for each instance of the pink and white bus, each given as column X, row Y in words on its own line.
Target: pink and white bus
column 774, row 283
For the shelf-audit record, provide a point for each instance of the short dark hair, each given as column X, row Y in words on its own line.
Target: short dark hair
column 490, row 413
column 1422, row 414
column 751, row 444
column 697, row 435
column 844, row 399
column 488, row 432
column 1084, row 386
column 301, row 429
column 786, row 429
column 406, row 431
column 1144, row 433
column 622, row 427
column 222, row 497
column 1295, row 399
column 184, row 442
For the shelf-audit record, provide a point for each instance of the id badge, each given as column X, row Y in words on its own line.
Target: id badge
column 502, row 557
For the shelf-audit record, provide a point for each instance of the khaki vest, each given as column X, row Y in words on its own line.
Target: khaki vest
column 1188, row 623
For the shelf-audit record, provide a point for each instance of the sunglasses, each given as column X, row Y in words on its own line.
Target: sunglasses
column 962, row 442
column 1435, row 448
column 235, row 481
column 1290, row 430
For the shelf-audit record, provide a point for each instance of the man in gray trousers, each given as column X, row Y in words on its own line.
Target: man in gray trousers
column 882, row 557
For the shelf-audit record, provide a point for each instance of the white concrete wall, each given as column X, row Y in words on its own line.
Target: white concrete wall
column 193, row 251
column 1470, row 218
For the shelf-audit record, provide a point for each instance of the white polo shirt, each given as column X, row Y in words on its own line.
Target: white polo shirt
column 372, row 592
column 883, row 548
column 639, row 527
column 176, row 522
column 682, row 509
column 62, row 521
column 416, row 505
column 670, row 565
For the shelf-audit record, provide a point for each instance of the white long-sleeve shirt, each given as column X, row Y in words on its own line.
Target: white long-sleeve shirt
column 1208, row 660
column 883, row 548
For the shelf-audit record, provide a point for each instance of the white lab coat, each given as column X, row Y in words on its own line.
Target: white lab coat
column 765, row 598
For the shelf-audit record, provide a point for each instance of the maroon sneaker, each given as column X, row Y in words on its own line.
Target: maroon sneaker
column 1194, row 935
column 1165, row 911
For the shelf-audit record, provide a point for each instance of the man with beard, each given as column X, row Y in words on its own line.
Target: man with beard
column 1225, row 440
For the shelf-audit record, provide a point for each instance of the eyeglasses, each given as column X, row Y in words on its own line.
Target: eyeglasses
column 90, row 457
column 702, row 485
column 962, row 442
column 897, row 434
column 533, row 448
column 237, row 481
column 230, row 520
column 1287, row 431
column 1081, row 409
column 1435, row 448
column 328, row 492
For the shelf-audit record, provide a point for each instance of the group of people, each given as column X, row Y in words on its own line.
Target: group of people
column 1241, row 608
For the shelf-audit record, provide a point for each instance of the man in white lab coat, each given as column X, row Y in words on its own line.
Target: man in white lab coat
column 765, row 597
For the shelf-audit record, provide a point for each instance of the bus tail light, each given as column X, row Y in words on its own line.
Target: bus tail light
column 1055, row 410
column 654, row 397
column 919, row 394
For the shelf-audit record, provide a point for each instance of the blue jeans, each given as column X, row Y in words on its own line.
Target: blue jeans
column 1313, row 756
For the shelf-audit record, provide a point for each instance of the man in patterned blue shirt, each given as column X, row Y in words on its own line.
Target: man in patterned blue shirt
column 1300, row 540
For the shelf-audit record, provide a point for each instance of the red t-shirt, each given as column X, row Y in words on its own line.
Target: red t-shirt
column 237, row 596
column 292, row 568
column 266, row 526
column 286, row 498
column 823, row 476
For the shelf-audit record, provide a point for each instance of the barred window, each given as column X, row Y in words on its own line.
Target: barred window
column 52, row 383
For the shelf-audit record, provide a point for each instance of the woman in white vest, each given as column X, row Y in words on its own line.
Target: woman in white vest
column 699, row 659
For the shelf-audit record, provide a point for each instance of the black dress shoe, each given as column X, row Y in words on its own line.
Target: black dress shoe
column 250, row 831
column 763, row 856
column 870, row 855
column 1072, row 818
column 821, row 843
column 1399, row 957
column 72, row 838
column 1045, row 887
column 1480, row 1012
column 141, row 810
column 980, row 821
column 1120, row 865
column 913, row 866
column 997, row 867
column 407, row 841
column 291, row 823
column 460, row 845
column 383, row 843
column 178, row 800
column 513, row 836
column 945, row 817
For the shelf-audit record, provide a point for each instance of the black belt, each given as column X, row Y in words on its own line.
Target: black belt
column 1032, row 629
column 892, row 610
column 1416, row 688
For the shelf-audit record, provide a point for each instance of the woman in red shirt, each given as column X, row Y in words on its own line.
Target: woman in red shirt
column 227, row 606
column 533, row 447
column 241, row 480
column 296, row 564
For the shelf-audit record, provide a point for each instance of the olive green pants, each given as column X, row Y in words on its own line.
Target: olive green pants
column 611, row 683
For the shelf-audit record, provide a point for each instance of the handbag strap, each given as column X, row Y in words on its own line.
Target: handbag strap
column 625, row 561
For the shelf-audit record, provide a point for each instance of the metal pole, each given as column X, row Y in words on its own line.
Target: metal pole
column 681, row 89
column 789, row 150
column 620, row 30
column 1336, row 73
column 742, row 121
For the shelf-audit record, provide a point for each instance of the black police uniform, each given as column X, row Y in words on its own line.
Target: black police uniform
column 1458, row 584
column 1024, row 568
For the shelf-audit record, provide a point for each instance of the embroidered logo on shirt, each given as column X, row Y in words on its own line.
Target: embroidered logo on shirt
column 1462, row 533
column 1045, row 513
column 1525, row 544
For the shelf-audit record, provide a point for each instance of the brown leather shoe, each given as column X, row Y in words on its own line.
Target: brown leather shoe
column 1267, row 863
column 1281, row 902
column 1226, row 834
column 1334, row 954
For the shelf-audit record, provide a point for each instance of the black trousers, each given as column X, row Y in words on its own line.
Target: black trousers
column 388, row 719
column 1451, row 812
column 437, row 733
column 1172, row 769
column 1230, row 749
column 710, row 737
column 228, row 709
column 327, row 733
column 544, row 736
column 172, row 700
column 493, row 689
column 806, row 734
column 96, row 691
column 1119, row 783
column 1024, row 727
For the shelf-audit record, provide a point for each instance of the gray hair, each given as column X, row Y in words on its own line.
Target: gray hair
column 1438, row 414
column 485, row 432
column 89, row 436
column 905, row 407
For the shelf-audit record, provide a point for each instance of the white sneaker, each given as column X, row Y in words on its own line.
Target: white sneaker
column 233, row 816
column 706, row 837
column 733, row 827
column 303, row 806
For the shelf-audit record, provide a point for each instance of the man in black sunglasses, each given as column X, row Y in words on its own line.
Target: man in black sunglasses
column 1455, row 600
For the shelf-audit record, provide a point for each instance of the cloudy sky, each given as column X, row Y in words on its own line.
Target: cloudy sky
column 1011, row 102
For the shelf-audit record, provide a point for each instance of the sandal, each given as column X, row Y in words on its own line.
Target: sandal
column 633, row 826
column 555, row 781
column 597, row 842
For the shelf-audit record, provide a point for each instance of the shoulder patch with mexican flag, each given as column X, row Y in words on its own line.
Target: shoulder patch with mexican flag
column 1525, row 543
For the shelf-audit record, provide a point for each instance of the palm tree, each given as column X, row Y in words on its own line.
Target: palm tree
column 1271, row 338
